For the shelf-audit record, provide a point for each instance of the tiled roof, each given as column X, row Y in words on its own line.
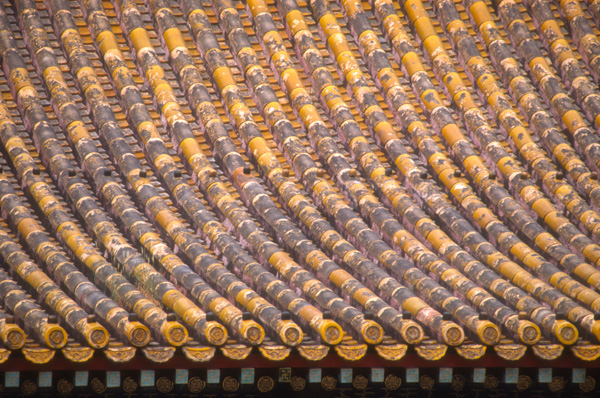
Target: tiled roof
column 323, row 178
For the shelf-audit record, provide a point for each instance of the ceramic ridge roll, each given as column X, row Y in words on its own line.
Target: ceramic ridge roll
column 39, row 126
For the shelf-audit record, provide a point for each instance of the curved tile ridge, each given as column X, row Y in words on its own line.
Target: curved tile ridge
column 543, row 123
column 562, row 104
column 525, row 94
column 213, row 332
column 11, row 334
column 288, row 299
column 88, row 295
column 306, row 167
column 477, row 123
column 319, row 134
column 594, row 7
column 155, row 205
column 281, row 261
column 199, row 97
column 481, row 73
column 378, row 65
column 338, row 237
column 322, row 80
column 475, row 119
column 233, row 161
column 495, row 192
column 39, row 126
column 51, row 335
column 159, row 287
column 34, row 319
column 582, row 33
column 501, row 107
column 564, row 59
column 464, row 261
column 290, row 333
column 376, row 59
column 414, row 69
column 295, row 199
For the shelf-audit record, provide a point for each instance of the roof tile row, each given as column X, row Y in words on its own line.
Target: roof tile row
column 205, row 236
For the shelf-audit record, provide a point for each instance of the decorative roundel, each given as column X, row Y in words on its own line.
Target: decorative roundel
column 292, row 334
column 458, row 382
column 97, row 386
column 216, row 334
column 557, row 384
column 129, row 385
column 196, row 384
column 490, row 382
column 230, row 384
column 426, row 382
column 139, row 335
column 392, row 382
column 97, row 336
column 360, row 382
column 298, row 383
column 266, row 384
column 328, row 383
column 64, row 386
column 588, row 384
column 29, row 387
column 16, row 338
column 164, row 385
column 413, row 332
column 524, row 382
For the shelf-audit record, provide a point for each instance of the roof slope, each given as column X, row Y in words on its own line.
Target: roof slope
column 312, row 177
